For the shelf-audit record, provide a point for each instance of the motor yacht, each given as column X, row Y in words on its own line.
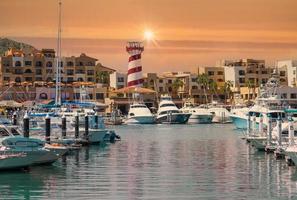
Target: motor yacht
column 169, row 113
column 198, row 115
column 139, row 114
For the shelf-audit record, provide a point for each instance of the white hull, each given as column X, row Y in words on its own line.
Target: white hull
column 200, row 119
column 141, row 120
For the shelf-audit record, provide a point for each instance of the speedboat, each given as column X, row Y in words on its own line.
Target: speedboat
column 220, row 114
column 10, row 161
column 169, row 113
column 139, row 114
column 198, row 115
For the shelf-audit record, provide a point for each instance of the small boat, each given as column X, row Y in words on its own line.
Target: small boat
column 168, row 113
column 139, row 114
column 220, row 113
column 198, row 115
column 9, row 161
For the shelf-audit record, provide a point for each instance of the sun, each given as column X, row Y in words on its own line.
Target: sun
column 148, row 35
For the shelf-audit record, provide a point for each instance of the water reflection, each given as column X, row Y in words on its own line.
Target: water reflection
column 160, row 162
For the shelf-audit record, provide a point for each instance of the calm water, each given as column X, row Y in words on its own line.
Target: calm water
column 160, row 162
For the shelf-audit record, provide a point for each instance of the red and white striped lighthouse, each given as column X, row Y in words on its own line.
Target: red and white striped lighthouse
column 135, row 78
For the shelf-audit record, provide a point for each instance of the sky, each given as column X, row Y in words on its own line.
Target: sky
column 187, row 33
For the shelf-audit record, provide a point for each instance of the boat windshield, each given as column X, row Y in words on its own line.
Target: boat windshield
column 3, row 132
column 138, row 106
column 168, row 112
column 14, row 131
column 167, row 105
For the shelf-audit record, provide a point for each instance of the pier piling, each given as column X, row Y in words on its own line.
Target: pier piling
column 291, row 132
column 14, row 119
column 96, row 120
column 47, row 129
column 76, row 131
column 261, row 125
column 26, row 122
column 63, row 126
column 86, row 126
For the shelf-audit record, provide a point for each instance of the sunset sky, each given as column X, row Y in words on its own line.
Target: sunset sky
column 188, row 33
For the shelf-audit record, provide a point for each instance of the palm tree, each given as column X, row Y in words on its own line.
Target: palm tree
column 102, row 77
column 203, row 81
column 213, row 86
column 177, row 83
column 227, row 89
column 249, row 85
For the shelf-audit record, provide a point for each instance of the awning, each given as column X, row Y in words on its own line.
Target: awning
column 10, row 103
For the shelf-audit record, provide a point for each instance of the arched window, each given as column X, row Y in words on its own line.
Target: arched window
column 18, row 80
column 18, row 63
column 49, row 64
column 70, row 64
column 38, row 64
column 49, row 79
column 43, row 96
column 80, row 79
column 27, row 71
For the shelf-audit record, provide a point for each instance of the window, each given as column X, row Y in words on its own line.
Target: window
column 38, row 72
column 194, row 80
column 70, row 71
column 220, row 73
column 294, row 71
column 241, row 80
column 220, row 80
column 49, row 64
column 18, row 64
column 121, row 79
column 70, row 79
column 160, row 89
column 18, row 80
column 282, row 80
column 80, row 71
column 6, row 78
column 76, row 95
column 28, row 63
column 28, row 79
column 241, row 72
column 70, row 64
column 43, row 96
column 38, row 78
column 28, row 71
column 99, row 96
column 293, row 96
column 38, row 64
column 18, row 71
column 49, row 71
column 283, row 96
column 90, row 72
column 90, row 79
column 7, row 70
column 80, row 80
column 170, row 89
column 90, row 96
column 194, row 87
column 210, row 73
column 282, row 73
column 169, row 81
column 160, row 80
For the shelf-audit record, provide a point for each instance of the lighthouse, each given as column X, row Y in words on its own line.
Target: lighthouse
column 135, row 78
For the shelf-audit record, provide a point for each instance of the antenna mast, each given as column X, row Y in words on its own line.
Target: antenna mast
column 58, row 66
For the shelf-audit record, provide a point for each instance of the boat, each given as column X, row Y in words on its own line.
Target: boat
column 9, row 161
column 269, row 104
column 198, row 115
column 169, row 113
column 139, row 114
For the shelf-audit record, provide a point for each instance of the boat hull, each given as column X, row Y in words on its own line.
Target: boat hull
column 141, row 120
column 239, row 123
column 200, row 119
column 16, row 162
column 175, row 118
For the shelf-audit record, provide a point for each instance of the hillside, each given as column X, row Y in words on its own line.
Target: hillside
column 6, row 43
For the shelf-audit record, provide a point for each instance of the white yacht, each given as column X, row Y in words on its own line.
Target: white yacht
column 169, row 113
column 139, row 114
column 220, row 113
column 270, row 103
column 198, row 115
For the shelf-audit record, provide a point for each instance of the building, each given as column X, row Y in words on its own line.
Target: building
column 118, row 80
column 245, row 72
column 290, row 68
column 215, row 74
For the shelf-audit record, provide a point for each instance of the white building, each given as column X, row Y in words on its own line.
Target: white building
column 118, row 80
column 291, row 68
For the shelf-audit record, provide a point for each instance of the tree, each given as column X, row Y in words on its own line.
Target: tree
column 249, row 85
column 177, row 83
column 213, row 86
column 102, row 77
column 203, row 81
column 227, row 89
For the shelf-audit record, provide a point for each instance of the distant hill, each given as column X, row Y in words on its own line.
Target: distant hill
column 6, row 43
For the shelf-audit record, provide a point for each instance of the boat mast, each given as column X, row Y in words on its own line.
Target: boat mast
column 58, row 66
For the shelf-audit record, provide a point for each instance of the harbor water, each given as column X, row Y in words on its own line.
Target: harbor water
column 159, row 162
